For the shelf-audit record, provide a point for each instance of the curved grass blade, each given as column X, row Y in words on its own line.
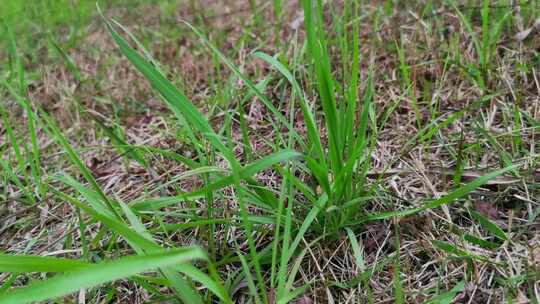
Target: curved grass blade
column 480, row 242
column 245, row 173
column 201, row 277
column 175, row 99
column 98, row 274
column 91, row 197
column 448, row 297
column 140, row 244
column 488, row 225
column 74, row 157
column 250, row 84
column 313, row 133
column 458, row 193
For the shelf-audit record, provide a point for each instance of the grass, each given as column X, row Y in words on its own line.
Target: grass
column 336, row 158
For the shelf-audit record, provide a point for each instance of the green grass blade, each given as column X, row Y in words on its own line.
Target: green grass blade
column 245, row 173
column 11, row 175
column 199, row 276
column 136, row 240
column 353, row 84
column 309, row 117
column 458, row 193
column 120, row 144
column 308, row 220
column 98, row 274
column 290, row 296
column 140, row 244
column 70, row 64
column 250, row 84
column 448, row 297
column 29, row 263
column 399, row 295
column 33, row 157
column 449, row 248
column 468, row 27
column 75, row 159
column 294, row 271
column 134, row 220
column 357, row 250
column 480, row 242
column 13, row 140
column 249, row 278
column 91, row 197
column 484, row 59
column 325, row 82
column 489, row 225
column 175, row 99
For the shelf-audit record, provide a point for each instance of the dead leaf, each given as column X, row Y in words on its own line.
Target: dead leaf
column 487, row 209
column 304, row 300
column 528, row 32
column 93, row 163
column 297, row 22
column 523, row 34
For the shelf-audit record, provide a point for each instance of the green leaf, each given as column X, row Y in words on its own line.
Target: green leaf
column 357, row 250
column 250, row 84
column 98, row 274
column 136, row 240
column 448, row 297
column 119, row 143
column 313, row 133
column 249, row 278
column 70, row 64
column 92, row 197
column 140, row 244
column 308, row 220
column 135, row 221
column 245, row 173
column 458, row 193
column 29, row 263
column 366, row 275
column 79, row 163
column 489, row 225
column 175, row 99
column 294, row 271
column 449, row 248
column 201, row 277
column 462, row 191
column 480, row 242
column 316, row 46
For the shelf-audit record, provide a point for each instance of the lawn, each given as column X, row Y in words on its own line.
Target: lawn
column 248, row 151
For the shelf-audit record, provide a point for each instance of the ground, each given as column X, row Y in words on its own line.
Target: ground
column 455, row 97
